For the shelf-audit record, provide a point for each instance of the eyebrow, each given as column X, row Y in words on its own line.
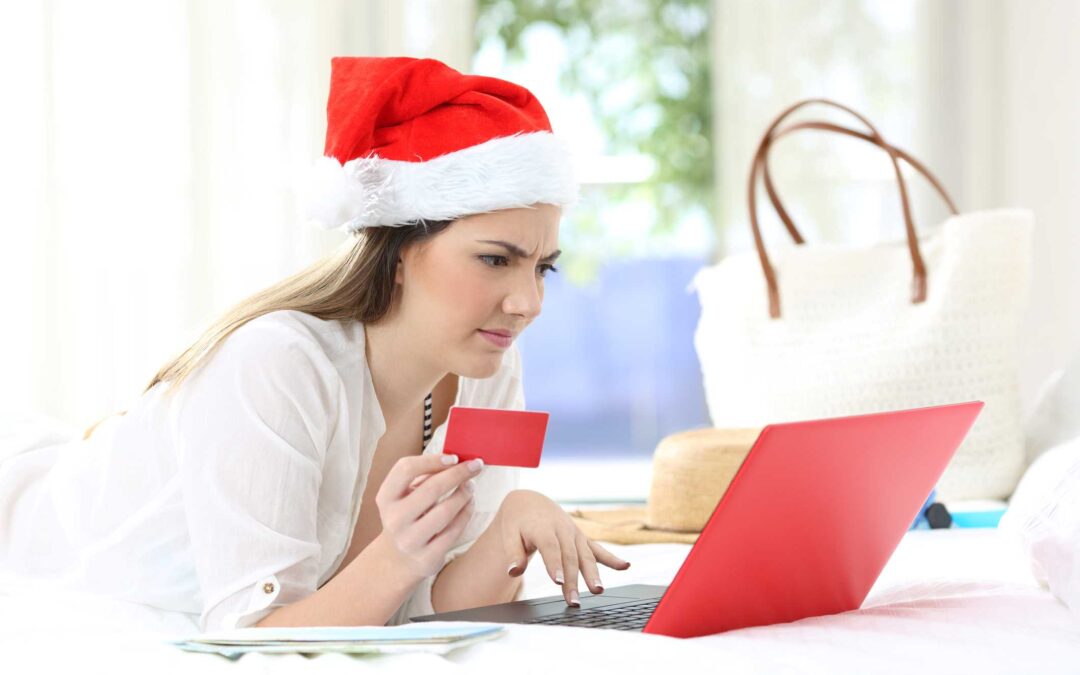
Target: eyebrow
column 519, row 252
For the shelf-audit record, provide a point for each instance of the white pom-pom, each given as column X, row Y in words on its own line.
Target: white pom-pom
column 334, row 196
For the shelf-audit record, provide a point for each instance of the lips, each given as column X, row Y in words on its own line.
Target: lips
column 504, row 333
column 502, row 341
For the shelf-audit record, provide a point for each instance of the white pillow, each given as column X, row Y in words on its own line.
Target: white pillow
column 1055, row 417
column 1044, row 516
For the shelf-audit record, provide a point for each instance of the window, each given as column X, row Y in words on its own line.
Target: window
column 612, row 357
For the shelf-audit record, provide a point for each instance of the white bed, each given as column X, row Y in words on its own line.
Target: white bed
column 949, row 601
column 956, row 601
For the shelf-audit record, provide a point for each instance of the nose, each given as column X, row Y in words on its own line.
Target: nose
column 526, row 297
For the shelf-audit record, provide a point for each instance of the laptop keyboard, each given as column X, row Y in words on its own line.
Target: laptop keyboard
column 629, row 616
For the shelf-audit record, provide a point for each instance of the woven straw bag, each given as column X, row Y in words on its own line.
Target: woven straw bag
column 929, row 320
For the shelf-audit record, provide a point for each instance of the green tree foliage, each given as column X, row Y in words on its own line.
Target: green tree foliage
column 644, row 66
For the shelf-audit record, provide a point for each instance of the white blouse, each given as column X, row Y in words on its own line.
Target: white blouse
column 240, row 494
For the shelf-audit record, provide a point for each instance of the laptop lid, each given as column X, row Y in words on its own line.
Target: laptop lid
column 810, row 519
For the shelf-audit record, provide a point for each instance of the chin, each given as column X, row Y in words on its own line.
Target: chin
column 479, row 369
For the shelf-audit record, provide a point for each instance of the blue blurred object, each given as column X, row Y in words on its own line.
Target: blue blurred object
column 932, row 516
column 920, row 522
column 614, row 363
column 977, row 514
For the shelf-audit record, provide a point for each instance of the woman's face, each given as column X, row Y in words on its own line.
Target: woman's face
column 458, row 284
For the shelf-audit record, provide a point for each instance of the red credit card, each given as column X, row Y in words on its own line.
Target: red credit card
column 499, row 437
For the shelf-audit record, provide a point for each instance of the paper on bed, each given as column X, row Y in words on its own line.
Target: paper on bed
column 436, row 638
column 440, row 632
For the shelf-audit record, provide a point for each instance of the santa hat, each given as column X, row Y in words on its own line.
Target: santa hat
column 410, row 139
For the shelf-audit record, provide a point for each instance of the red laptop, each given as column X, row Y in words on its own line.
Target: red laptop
column 805, row 528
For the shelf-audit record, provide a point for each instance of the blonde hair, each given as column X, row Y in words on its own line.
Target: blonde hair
column 356, row 281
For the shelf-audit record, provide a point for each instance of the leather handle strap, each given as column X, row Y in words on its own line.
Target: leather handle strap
column 828, row 126
column 771, row 134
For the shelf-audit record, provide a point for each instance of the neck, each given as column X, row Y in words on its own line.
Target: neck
column 402, row 376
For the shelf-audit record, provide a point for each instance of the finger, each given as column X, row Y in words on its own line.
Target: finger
column 404, row 470
column 570, row 565
column 552, row 555
column 418, row 480
column 606, row 557
column 588, row 564
column 416, row 503
column 519, row 556
column 456, row 527
column 440, row 515
column 516, row 569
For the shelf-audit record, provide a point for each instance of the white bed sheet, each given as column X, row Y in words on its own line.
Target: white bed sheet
column 956, row 601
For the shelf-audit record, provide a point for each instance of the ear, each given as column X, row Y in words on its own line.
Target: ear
column 410, row 251
column 399, row 268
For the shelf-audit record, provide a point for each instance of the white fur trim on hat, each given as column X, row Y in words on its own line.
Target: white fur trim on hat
column 502, row 173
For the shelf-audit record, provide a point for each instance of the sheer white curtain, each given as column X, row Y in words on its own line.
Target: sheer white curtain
column 984, row 91
column 150, row 154
column 1005, row 90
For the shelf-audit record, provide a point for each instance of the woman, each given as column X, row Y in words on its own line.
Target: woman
column 283, row 469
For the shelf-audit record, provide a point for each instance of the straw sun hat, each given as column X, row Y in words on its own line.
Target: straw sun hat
column 690, row 472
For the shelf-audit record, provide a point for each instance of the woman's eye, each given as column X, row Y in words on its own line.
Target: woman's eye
column 545, row 268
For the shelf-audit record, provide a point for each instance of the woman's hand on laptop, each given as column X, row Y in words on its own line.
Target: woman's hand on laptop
column 530, row 522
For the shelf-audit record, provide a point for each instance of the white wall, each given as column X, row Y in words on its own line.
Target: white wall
column 1004, row 80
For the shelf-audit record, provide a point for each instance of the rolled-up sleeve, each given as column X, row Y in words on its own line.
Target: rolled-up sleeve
column 492, row 486
column 251, row 428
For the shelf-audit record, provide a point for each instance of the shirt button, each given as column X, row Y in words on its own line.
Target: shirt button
column 268, row 587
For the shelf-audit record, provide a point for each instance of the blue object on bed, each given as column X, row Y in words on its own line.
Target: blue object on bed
column 977, row 513
column 932, row 515
column 978, row 518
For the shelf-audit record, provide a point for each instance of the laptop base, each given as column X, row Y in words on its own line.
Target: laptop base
column 622, row 607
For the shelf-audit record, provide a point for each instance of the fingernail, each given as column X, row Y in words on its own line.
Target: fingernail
column 574, row 600
column 476, row 464
column 513, row 568
column 558, row 576
column 449, row 459
column 596, row 583
column 470, row 485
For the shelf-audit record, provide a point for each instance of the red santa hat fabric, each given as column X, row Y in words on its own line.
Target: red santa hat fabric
column 410, row 139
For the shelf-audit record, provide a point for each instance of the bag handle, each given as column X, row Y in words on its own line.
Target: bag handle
column 760, row 165
column 828, row 126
